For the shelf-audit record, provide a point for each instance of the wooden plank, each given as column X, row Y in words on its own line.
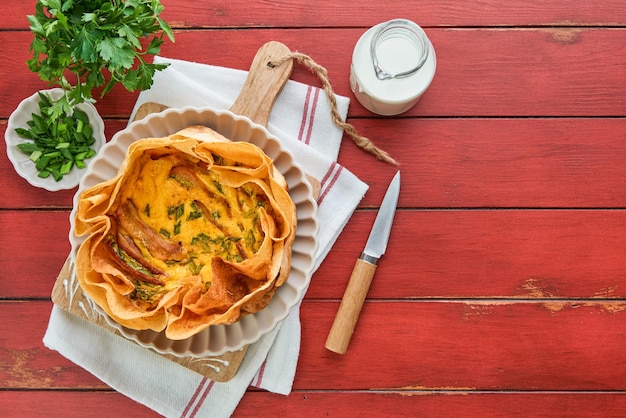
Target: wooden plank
column 463, row 163
column 512, row 163
column 474, row 254
column 429, row 404
column 462, row 346
column 330, row 13
column 16, row 12
column 70, row 404
column 301, row 403
column 454, row 254
column 26, row 363
column 469, row 346
column 523, row 72
column 38, row 246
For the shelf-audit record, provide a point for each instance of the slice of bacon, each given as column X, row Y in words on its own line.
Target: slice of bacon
column 189, row 178
column 158, row 246
column 151, row 275
column 127, row 244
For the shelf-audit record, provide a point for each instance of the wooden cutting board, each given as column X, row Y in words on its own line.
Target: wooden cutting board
column 262, row 87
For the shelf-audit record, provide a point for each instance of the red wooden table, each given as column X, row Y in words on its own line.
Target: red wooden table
column 504, row 284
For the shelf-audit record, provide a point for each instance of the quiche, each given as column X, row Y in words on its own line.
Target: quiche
column 194, row 230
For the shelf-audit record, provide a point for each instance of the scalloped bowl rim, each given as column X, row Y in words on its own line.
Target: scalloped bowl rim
column 155, row 340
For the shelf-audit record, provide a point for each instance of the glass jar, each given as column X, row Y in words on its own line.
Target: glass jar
column 393, row 64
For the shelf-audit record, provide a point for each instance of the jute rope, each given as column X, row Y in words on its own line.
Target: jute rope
column 322, row 74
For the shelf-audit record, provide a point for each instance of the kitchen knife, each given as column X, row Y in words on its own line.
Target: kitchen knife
column 350, row 308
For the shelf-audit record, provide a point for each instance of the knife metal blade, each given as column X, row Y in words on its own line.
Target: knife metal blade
column 352, row 302
column 379, row 236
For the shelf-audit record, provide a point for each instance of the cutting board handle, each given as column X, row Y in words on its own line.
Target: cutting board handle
column 264, row 83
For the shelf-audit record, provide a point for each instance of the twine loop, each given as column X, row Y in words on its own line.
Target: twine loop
column 321, row 73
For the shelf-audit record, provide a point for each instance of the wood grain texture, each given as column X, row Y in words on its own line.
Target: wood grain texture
column 317, row 404
column 454, row 346
column 470, row 345
column 524, row 254
column 458, row 163
column 487, row 254
column 347, row 315
column 500, row 162
column 35, row 249
column 549, row 72
column 264, row 83
column 330, row 13
column 70, row 404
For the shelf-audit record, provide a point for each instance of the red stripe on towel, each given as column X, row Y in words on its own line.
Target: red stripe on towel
column 328, row 173
column 331, row 183
column 305, row 113
column 259, row 379
column 194, row 396
column 202, row 398
column 198, row 397
column 312, row 116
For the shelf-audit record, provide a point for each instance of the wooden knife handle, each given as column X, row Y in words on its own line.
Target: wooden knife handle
column 350, row 308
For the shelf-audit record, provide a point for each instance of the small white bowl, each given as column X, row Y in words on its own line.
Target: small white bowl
column 21, row 161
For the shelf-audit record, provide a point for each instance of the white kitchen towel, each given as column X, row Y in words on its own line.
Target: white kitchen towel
column 301, row 112
column 301, row 119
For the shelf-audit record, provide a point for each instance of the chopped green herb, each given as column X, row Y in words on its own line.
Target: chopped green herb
column 250, row 238
column 176, row 211
column 145, row 291
column 56, row 145
column 218, row 186
column 183, row 181
column 195, row 212
column 195, row 268
column 130, row 261
column 194, row 215
column 203, row 240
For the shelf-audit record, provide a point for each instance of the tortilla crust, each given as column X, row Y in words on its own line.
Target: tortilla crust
column 172, row 243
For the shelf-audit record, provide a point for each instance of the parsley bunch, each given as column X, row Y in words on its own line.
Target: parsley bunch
column 78, row 44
